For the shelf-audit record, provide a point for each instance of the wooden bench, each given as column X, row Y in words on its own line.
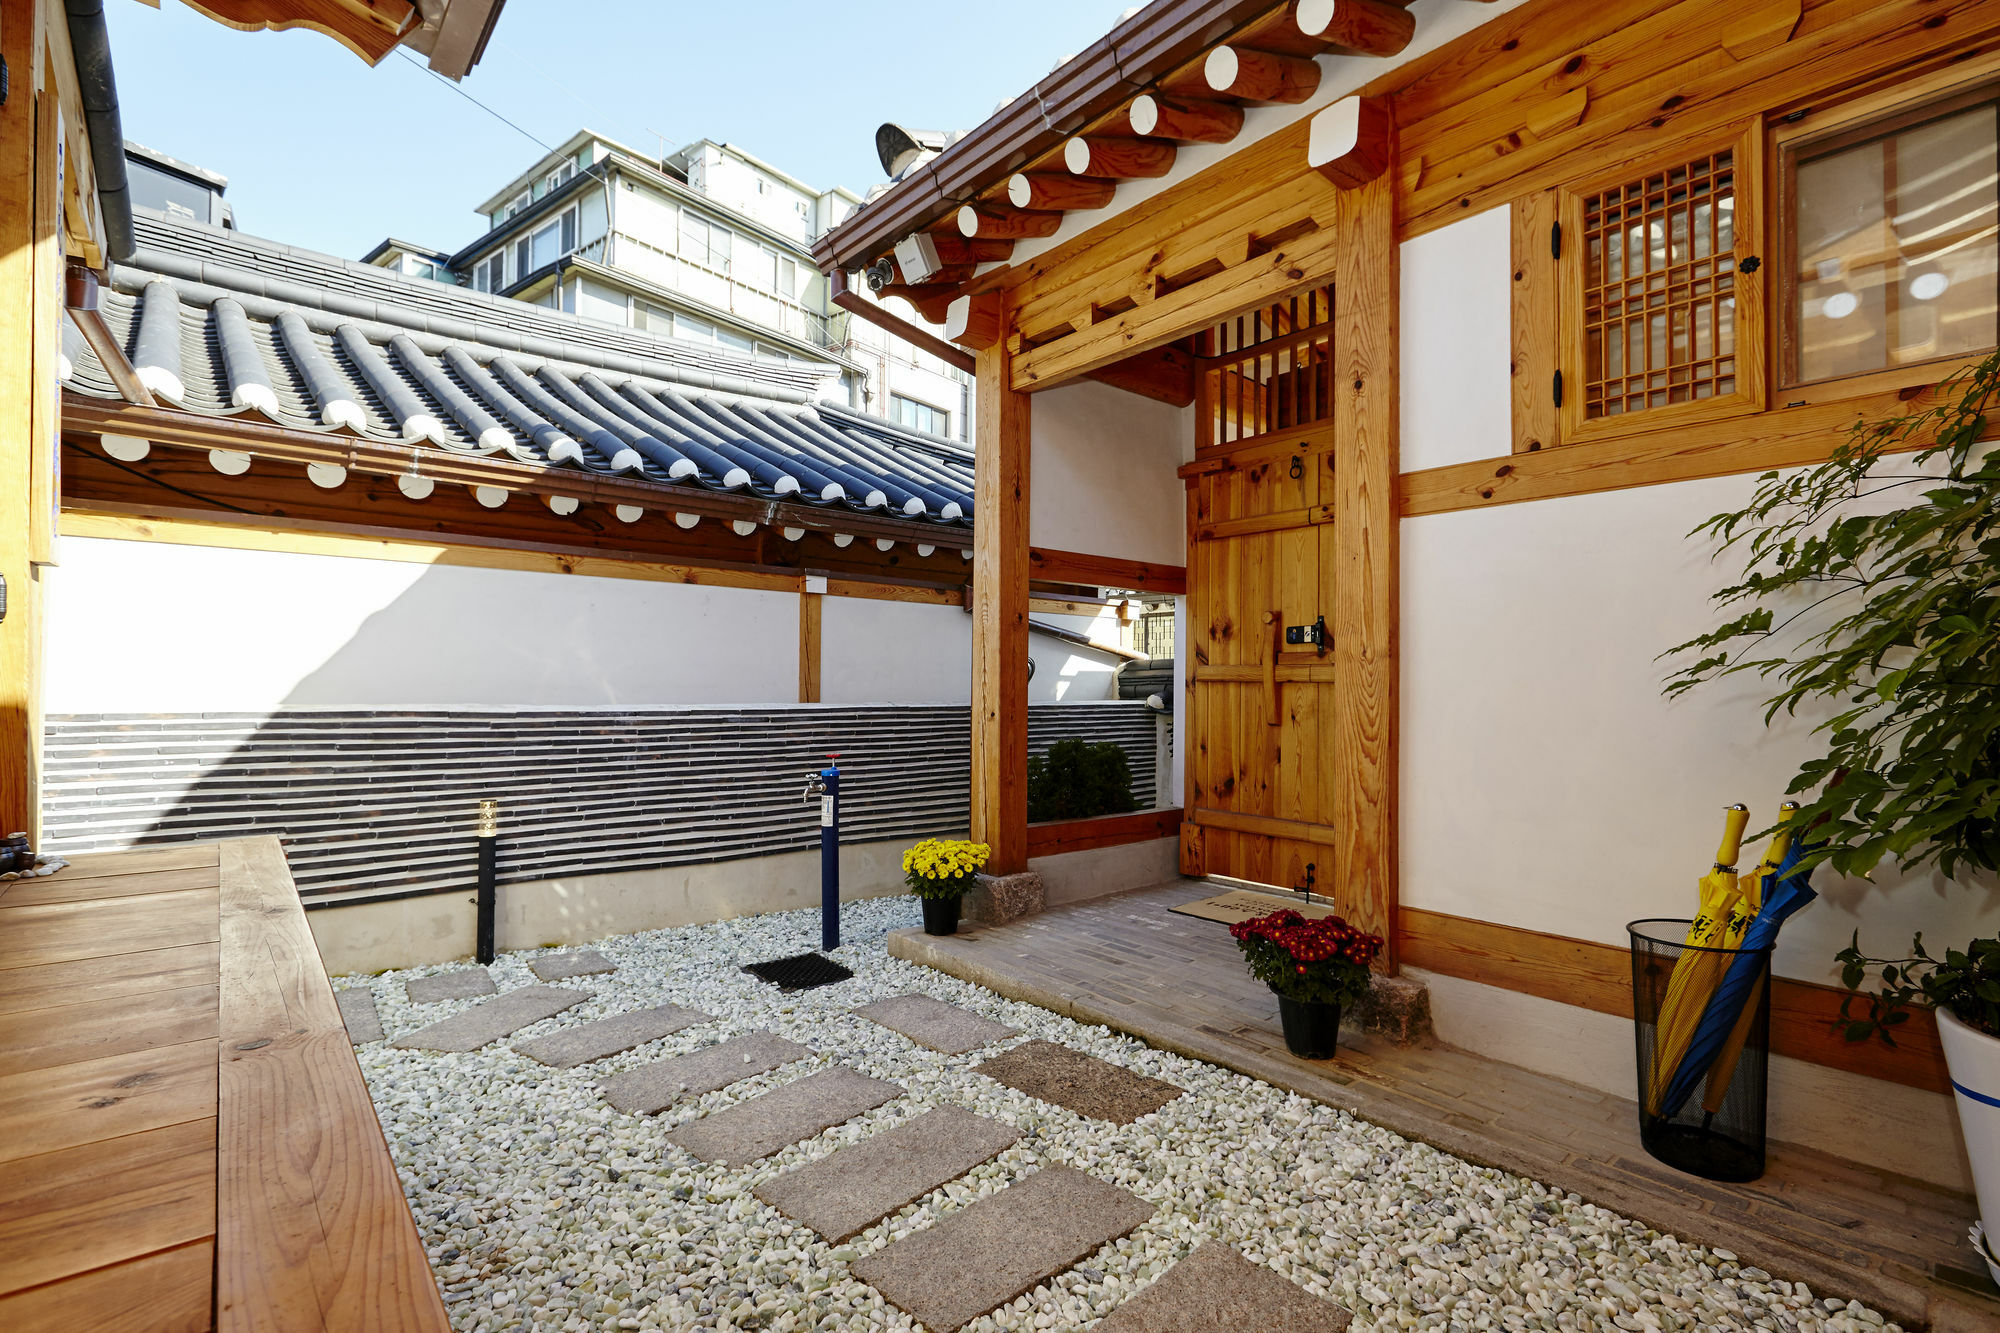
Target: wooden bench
column 186, row 1141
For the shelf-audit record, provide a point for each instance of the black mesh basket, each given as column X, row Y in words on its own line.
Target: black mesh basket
column 1717, row 1132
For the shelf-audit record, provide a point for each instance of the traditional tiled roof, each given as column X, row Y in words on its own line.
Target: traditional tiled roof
column 220, row 324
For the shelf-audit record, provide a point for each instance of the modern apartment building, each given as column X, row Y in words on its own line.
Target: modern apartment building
column 707, row 244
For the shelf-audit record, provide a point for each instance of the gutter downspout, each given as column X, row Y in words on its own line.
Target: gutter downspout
column 91, row 44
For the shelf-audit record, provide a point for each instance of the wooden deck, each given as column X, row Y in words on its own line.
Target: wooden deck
column 186, row 1142
column 1126, row 962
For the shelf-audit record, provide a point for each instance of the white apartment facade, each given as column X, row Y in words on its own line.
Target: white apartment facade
column 708, row 244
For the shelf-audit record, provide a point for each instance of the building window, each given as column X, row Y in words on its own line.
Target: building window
column 1661, row 318
column 549, row 243
column 523, row 258
column 705, row 243
column 919, row 416
column 490, row 274
column 1891, row 239
column 783, row 274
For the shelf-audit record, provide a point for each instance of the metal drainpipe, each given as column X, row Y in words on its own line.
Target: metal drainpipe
column 91, row 45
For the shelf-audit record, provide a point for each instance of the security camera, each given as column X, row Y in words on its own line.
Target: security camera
column 881, row 273
column 917, row 256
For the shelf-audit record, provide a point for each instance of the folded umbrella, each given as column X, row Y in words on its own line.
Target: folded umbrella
column 1790, row 890
column 1697, row 970
column 1756, row 886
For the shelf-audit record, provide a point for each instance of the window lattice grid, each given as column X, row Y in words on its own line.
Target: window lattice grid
column 1271, row 368
column 1659, row 298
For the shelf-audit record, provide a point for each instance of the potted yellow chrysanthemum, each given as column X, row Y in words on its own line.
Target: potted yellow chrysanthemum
column 941, row 871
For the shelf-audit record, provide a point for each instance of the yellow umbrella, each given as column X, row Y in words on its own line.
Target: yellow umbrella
column 1724, row 1068
column 1697, row 973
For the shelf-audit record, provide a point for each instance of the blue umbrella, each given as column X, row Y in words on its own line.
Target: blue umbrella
column 1789, row 890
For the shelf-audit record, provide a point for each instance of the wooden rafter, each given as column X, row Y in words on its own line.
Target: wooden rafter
column 369, row 28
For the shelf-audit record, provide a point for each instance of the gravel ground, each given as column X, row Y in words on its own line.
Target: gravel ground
column 543, row 1208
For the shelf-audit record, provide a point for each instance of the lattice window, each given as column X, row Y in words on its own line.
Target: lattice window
column 1659, row 289
column 1268, row 370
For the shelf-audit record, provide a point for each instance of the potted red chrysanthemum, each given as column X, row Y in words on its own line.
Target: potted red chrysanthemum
column 1314, row 966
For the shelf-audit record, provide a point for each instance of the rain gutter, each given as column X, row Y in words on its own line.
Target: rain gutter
column 91, row 44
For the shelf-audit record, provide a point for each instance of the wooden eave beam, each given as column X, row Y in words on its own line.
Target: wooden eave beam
column 1165, row 374
column 856, row 304
column 1076, row 569
column 973, row 320
column 1050, row 190
column 1003, row 222
column 1184, row 119
column 1367, row 27
column 369, row 28
column 931, row 300
column 1118, row 159
column 167, row 426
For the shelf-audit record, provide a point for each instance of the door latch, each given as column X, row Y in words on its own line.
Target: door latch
column 1314, row 634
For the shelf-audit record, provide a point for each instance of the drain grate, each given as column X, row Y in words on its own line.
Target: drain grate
column 800, row 972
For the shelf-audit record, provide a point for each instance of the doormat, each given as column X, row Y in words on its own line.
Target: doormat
column 799, row 972
column 1243, row 904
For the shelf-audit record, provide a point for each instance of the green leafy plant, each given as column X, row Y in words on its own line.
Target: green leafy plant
column 1909, row 651
column 1079, row 779
column 1314, row 960
column 1968, row 984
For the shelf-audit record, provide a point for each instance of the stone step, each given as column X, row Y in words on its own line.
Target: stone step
column 576, row 963
column 1078, row 1082
column 609, row 1036
column 1217, row 1288
column 845, row 1194
column 984, row 1256
column 933, row 1023
column 654, row 1087
column 777, row 1119
column 490, row 1020
column 358, row 1014
column 460, row 985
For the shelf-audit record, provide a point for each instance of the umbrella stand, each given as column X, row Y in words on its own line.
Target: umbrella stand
column 1719, row 1134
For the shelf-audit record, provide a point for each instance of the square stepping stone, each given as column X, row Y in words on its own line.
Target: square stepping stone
column 1081, row 1083
column 843, row 1195
column 608, row 1036
column 933, row 1023
column 783, row 1116
column 1006, row 1243
column 490, row 1020
column 461, row 985
column 655, row 1087
column 358, row 1015
column 576, row 963
column 1214, row 1288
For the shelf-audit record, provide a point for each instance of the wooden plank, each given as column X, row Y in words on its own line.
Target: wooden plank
column 1001, row 569
column 809, row 646
column 65, row 886
column 1787, row 437
column 1075, row 835
column 115, row 976
column 1264, row 825
column 1365, row 588
column 71, row 1211
column 1597, row 976
column 141, row 860
column 62, row 932
column 168, row 1292
column 45, row 1110
column 312, row 1227
column 94, row 1029
column 1103, row 571
column 1534, row 332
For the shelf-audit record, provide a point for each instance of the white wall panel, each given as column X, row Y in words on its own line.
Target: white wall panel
column 1103, row 475
column 1457, row 309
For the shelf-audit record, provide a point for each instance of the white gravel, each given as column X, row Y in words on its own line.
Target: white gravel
column 543, row 1208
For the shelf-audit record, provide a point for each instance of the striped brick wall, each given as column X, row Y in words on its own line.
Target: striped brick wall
column 373, row 803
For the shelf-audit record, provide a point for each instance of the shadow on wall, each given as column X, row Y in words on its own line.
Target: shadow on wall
column 597, row 711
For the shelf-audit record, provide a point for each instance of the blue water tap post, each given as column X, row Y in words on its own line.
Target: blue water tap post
column 829, row 854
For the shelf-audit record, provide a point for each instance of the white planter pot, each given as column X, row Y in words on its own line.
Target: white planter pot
column 1973, row 1058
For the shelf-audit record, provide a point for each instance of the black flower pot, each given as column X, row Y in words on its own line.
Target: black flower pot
column 1312, row 1027
column 941, row 916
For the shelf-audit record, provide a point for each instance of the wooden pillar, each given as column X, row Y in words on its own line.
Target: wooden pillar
column 1000, row 616
column 1365, row 598
column 810, row 606
column 29, row 302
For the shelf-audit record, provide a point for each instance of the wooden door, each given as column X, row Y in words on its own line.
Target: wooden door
column 1260, row 746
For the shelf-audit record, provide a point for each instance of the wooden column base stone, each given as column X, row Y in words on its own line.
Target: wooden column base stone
column 1003, row 898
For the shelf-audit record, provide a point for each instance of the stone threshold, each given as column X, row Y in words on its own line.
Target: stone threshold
column 1413, row 1092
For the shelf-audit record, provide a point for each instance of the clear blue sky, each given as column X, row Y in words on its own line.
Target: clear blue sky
column 322, row 151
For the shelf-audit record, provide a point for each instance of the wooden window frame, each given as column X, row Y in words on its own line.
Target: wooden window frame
column 1747, row 147
column 1864, row 116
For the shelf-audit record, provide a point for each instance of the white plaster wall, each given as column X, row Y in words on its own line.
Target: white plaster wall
column 1545, row 781
column 151, row 627
column 1457, row 309
column 1103, row 476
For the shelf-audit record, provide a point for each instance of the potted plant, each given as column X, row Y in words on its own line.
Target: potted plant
column 1868, row 597
column 941, row 871
column 1315, row 966
column 1963, row 990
